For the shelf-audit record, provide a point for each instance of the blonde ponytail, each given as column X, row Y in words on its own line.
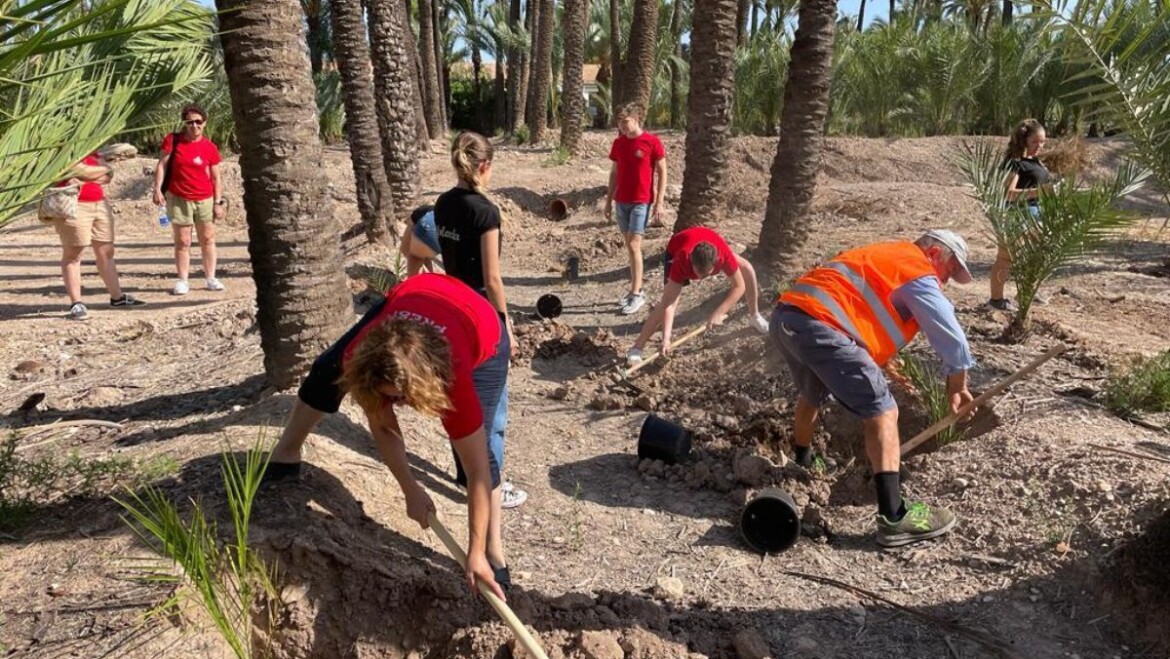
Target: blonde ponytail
column 468, row 152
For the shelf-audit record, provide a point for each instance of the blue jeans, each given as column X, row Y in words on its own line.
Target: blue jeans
column 491, row 385
column 426, row 232
column 631, row 218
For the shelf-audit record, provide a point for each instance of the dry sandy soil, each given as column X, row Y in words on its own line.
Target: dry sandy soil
column 612, row 558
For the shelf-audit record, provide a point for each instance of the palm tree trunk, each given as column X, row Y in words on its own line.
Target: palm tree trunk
column 743, row 12
column 396, row 101
column 302, row 301
column 709, row 110
column 675, row 72
column 755, row 16
column 1008, row 7
column 499, row 91
column 515, row 72
column 798, row 156
column 861, row 16
column 443, row 70
column 477, row 86
column 315, row 39
column 572, row 94
column 615, row 58
column 523, row 73
column 542, row 72
column 422, row 131
column 638, row 76
column 432, row 90
column 361, row 120
column 534, row 9
column 891, row 19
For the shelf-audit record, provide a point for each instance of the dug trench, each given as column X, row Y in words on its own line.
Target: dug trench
column 737, row 406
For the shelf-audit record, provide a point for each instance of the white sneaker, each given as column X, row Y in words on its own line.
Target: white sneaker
column 625, row 300
column 760, row 323
column 634, row 356
column 513, row 497
column 78, row 312
column 214, row 284
column 633, row 303
column 181, row 287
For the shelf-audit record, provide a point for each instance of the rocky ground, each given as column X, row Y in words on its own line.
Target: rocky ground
column 614, row 557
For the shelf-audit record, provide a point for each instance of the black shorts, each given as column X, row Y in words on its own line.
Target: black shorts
column 320, row 389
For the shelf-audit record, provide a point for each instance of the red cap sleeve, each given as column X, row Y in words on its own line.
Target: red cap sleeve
column 166, row 144
column 659, row 151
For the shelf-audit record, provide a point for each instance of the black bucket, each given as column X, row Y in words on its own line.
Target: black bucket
column 663, row 440
column 770, row 523
column 549, row 306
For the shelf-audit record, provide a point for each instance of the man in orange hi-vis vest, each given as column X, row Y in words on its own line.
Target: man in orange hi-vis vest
column 842, row 322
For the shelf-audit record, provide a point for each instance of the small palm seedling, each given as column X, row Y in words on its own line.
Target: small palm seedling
column 226, row 578
column 1071, row 223
column 932, row 390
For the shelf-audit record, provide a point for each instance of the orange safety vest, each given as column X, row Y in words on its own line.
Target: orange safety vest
column 852, row 293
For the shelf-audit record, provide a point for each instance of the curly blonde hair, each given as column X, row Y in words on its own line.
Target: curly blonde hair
column 412, row 357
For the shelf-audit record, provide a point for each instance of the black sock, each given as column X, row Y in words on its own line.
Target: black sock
column 804, row 456
column 889, row 495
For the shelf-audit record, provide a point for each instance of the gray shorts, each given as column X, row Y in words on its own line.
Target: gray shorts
column 825, row 361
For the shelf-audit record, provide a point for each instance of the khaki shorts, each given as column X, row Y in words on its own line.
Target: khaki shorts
column 94, row 223
column 185, row 212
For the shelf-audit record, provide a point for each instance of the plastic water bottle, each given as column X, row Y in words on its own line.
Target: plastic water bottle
column 163, row 220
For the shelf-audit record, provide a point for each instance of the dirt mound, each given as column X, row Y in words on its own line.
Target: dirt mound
column 1140, row 582
column 551, row 339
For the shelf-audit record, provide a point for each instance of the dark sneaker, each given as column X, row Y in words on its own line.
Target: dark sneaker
column 280, row 472
column 1003, row 304
column 126, row 300
column 921, row 522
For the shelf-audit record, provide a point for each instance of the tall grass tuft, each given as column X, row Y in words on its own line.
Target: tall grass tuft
column 226, row 578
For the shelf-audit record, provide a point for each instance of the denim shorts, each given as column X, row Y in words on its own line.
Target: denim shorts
column 631, row 218
column 425, row 231
column 825, row 361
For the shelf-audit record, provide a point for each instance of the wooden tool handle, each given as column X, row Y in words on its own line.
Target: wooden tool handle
column 943, row 423
column 681, row 340
column 505, row 612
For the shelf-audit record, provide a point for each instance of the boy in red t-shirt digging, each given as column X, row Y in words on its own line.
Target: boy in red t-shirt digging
column 639, row 160
column 694, row 254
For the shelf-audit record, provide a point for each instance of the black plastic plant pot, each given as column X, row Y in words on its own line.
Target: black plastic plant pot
column 770, row 523
column 662, row 440
column 549, row 306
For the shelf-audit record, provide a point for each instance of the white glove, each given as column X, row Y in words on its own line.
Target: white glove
column 634, row 356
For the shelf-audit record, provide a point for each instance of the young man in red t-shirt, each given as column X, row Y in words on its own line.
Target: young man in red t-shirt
column 694, row 254
column 637, row 182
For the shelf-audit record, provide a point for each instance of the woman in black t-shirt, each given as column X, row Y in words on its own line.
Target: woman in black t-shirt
column 1026, row 175
column 469, row 228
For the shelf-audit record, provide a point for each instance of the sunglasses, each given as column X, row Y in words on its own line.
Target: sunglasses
column 195, row 122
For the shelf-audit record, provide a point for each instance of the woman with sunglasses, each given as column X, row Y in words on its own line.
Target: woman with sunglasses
column 436, row 345
column 192, row 191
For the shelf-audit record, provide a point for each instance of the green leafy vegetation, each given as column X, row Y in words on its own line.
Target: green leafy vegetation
column 931, row 388
column 28, row 483
column 1143, row 386
column 227, row 578
column 74, row 74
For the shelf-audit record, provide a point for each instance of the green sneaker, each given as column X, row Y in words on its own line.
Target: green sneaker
column 921, row 522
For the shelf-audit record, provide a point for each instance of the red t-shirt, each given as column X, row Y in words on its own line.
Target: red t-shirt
column 468, row 322
column 682, row 243
column 90, row 191
column 191, row 173
column 635, row 158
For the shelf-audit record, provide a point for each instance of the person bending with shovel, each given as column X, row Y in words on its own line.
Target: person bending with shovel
column 694, row 254
column 841, row 323
column 436, row 345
